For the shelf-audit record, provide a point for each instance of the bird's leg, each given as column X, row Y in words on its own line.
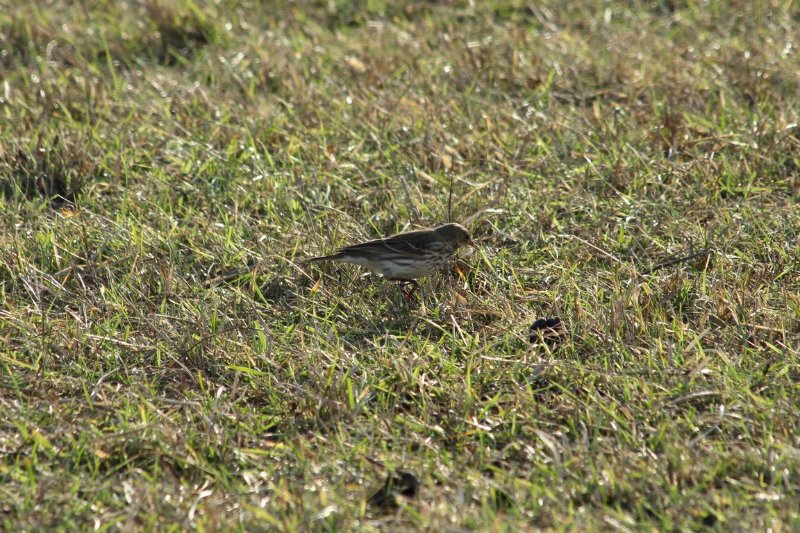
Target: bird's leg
column 414, row 287
column 407, row 294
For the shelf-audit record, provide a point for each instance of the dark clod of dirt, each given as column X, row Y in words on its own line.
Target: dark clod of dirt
column 710, row 520
column 547, row 330
column 398, row 484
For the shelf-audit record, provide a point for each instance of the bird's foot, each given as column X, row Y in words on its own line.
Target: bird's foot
column 408, row 293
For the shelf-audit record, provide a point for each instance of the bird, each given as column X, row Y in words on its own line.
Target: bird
column 404, row 257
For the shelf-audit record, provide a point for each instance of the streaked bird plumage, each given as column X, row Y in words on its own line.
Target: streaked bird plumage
column 405, row 256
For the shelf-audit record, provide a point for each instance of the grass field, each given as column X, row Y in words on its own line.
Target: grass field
column 632, row 168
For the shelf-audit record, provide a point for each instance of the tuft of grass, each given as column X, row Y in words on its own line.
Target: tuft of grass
column 630, row 169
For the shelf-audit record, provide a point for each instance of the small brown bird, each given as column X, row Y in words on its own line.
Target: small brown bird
column 405, row 256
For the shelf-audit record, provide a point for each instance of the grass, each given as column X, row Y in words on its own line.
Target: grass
column 146, row 147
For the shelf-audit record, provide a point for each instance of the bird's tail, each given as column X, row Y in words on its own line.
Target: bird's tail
column 333, row 257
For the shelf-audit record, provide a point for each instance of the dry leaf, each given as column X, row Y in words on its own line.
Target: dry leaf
column 355, row 64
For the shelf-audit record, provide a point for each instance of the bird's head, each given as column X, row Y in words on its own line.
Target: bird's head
column 455, row 234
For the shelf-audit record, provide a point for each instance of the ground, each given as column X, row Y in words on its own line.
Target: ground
column 631, row 168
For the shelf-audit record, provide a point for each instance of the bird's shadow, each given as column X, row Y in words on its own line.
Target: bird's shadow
column 375, row 307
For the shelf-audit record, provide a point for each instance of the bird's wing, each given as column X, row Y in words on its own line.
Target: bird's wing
column 412, row 243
